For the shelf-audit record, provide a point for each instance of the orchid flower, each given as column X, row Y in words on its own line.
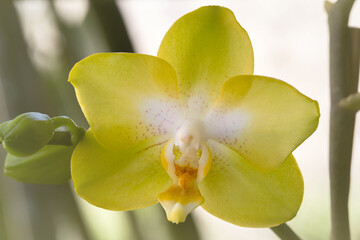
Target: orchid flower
column 191, row 127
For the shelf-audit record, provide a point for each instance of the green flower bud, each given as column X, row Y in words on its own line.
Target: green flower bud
column 26, row 134
column 50, row 165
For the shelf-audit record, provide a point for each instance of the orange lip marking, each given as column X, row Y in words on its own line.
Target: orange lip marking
column 186, row 175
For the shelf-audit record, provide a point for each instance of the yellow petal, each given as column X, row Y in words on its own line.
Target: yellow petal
column 262, row 118
column 238, row 193
column 124, row 180
column 127, row 97
column 206, row 47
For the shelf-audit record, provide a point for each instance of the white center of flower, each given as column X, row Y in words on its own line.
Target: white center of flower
column 189, row 135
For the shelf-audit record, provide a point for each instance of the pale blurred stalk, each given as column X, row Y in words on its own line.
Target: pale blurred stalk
column 24, row 92
column 112, row 25
column 186, row 230
column 343, row 82
column 284, row 232
column 3, row 230
column 155, row 226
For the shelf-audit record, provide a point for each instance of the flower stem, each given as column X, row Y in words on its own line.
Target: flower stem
column 186, row 230
column 136, row 229
column 61, row 138
column 342, row 84
column 76, row 132
column 284, row 232
column 351, row 103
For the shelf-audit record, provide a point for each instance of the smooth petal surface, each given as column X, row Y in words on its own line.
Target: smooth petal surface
column 125, row 180
column 127, row 97
column 237, row 192
column 262, row 118
column 206, row 47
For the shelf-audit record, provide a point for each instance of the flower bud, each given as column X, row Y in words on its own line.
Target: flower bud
column 26, row 134
column 50, row 165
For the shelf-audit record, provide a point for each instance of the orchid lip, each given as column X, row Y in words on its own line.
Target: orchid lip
column 187, row 159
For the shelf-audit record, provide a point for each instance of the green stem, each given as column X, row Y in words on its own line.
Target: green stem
column 136, row 229
column 61, row 138
column 351, row 103
column 342, row 121
column 186, row 230
column 76, row 132
column 284, row 232
column 3, row 229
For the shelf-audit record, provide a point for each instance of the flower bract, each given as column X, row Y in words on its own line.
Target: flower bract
column 191, row 127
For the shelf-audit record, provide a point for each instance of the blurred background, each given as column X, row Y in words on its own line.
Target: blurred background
column 41, row 40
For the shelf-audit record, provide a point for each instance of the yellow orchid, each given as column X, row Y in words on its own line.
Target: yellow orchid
column 191, row 127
